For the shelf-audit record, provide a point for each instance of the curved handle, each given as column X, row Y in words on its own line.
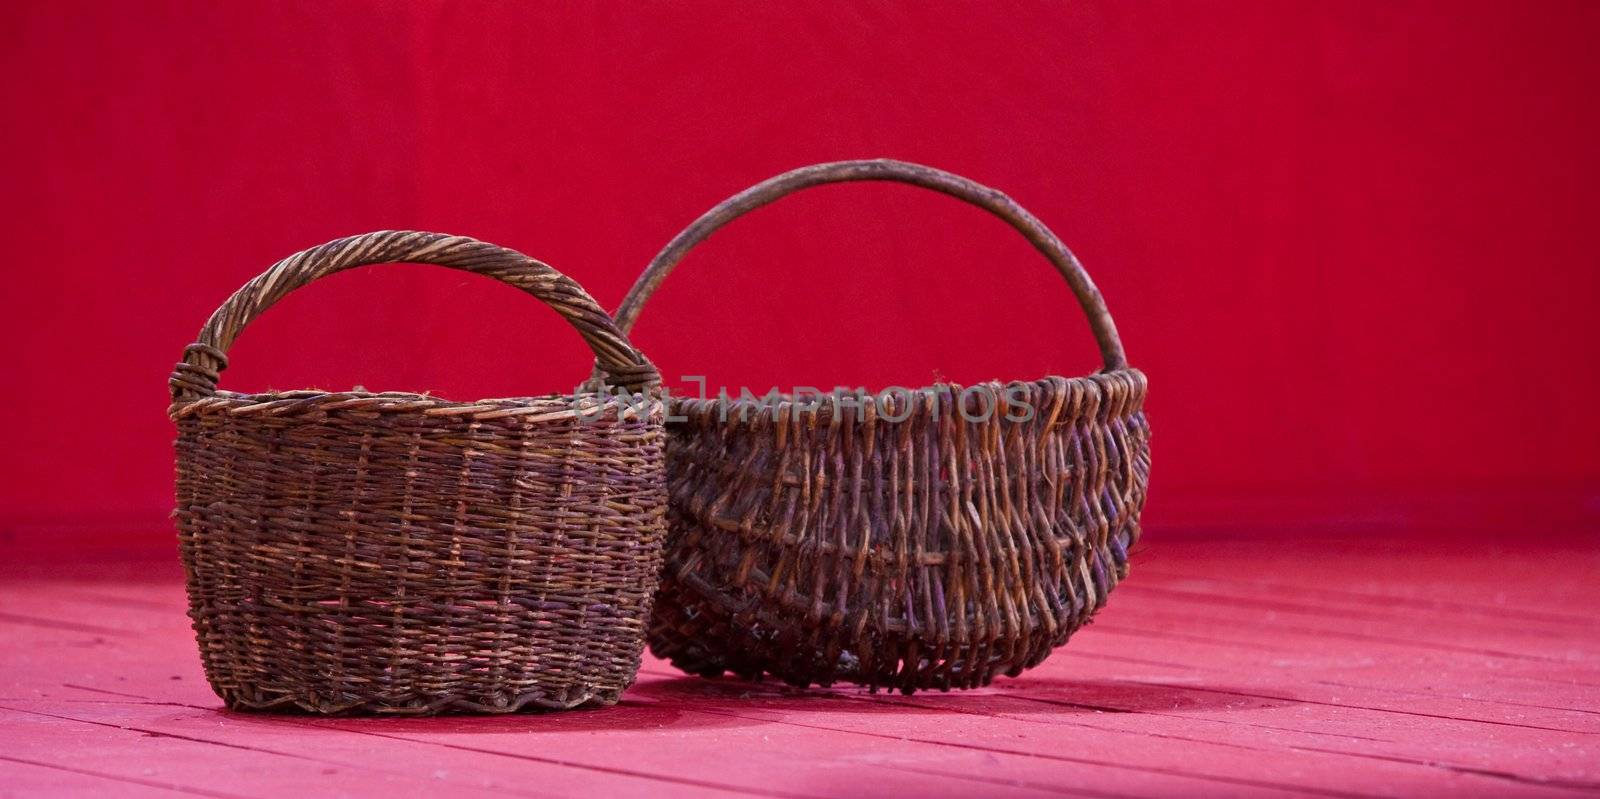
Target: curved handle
column 195, row 377
column 1094, row 306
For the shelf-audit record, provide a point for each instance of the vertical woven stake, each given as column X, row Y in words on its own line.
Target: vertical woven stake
column 931, row 540
column 400, row 553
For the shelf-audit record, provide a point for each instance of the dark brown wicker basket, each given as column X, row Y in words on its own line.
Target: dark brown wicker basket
column 903, row 544
column 400, row 553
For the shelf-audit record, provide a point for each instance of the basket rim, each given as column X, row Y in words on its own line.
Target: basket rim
column 821, row 409
column 530, row 409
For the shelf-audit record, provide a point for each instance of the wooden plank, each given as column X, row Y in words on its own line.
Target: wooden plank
column 154, row 757
column 651, row 741
column 1398, row 602
column 925, row 771
column 1529, row 575
column 24, row 777
column 1322, row 664
column 1396, row 668
column 993, row 719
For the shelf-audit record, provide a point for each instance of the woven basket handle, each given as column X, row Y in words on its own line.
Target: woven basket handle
column 1094, row 306
column 195, row 377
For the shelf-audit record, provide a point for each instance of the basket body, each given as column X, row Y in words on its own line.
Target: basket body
column 910, row 545
column 397, row 553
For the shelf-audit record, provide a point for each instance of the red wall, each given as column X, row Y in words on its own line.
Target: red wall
column 1351, row 243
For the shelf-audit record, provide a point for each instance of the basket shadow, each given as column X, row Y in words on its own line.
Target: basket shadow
column 1132, row 696
column 1019, row 696
column 628, row 714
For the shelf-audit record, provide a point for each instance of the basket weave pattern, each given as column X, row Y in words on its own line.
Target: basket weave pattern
column 932, row 552
column 400, row 553
column 907, row 547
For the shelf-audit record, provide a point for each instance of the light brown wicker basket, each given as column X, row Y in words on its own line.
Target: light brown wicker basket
column 915, row 542
column 401, row 553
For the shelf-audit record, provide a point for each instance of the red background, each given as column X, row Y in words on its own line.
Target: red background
column 1352, row 244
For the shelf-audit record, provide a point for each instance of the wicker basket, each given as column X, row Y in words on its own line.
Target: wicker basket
column 920, row 542
column 399, row 553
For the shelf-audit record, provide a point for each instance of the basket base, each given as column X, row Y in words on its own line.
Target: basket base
column 707, row 623
column 707, row 643
column 532, row 702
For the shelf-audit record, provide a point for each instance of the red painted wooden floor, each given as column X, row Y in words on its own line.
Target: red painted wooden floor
column 1332, row 666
